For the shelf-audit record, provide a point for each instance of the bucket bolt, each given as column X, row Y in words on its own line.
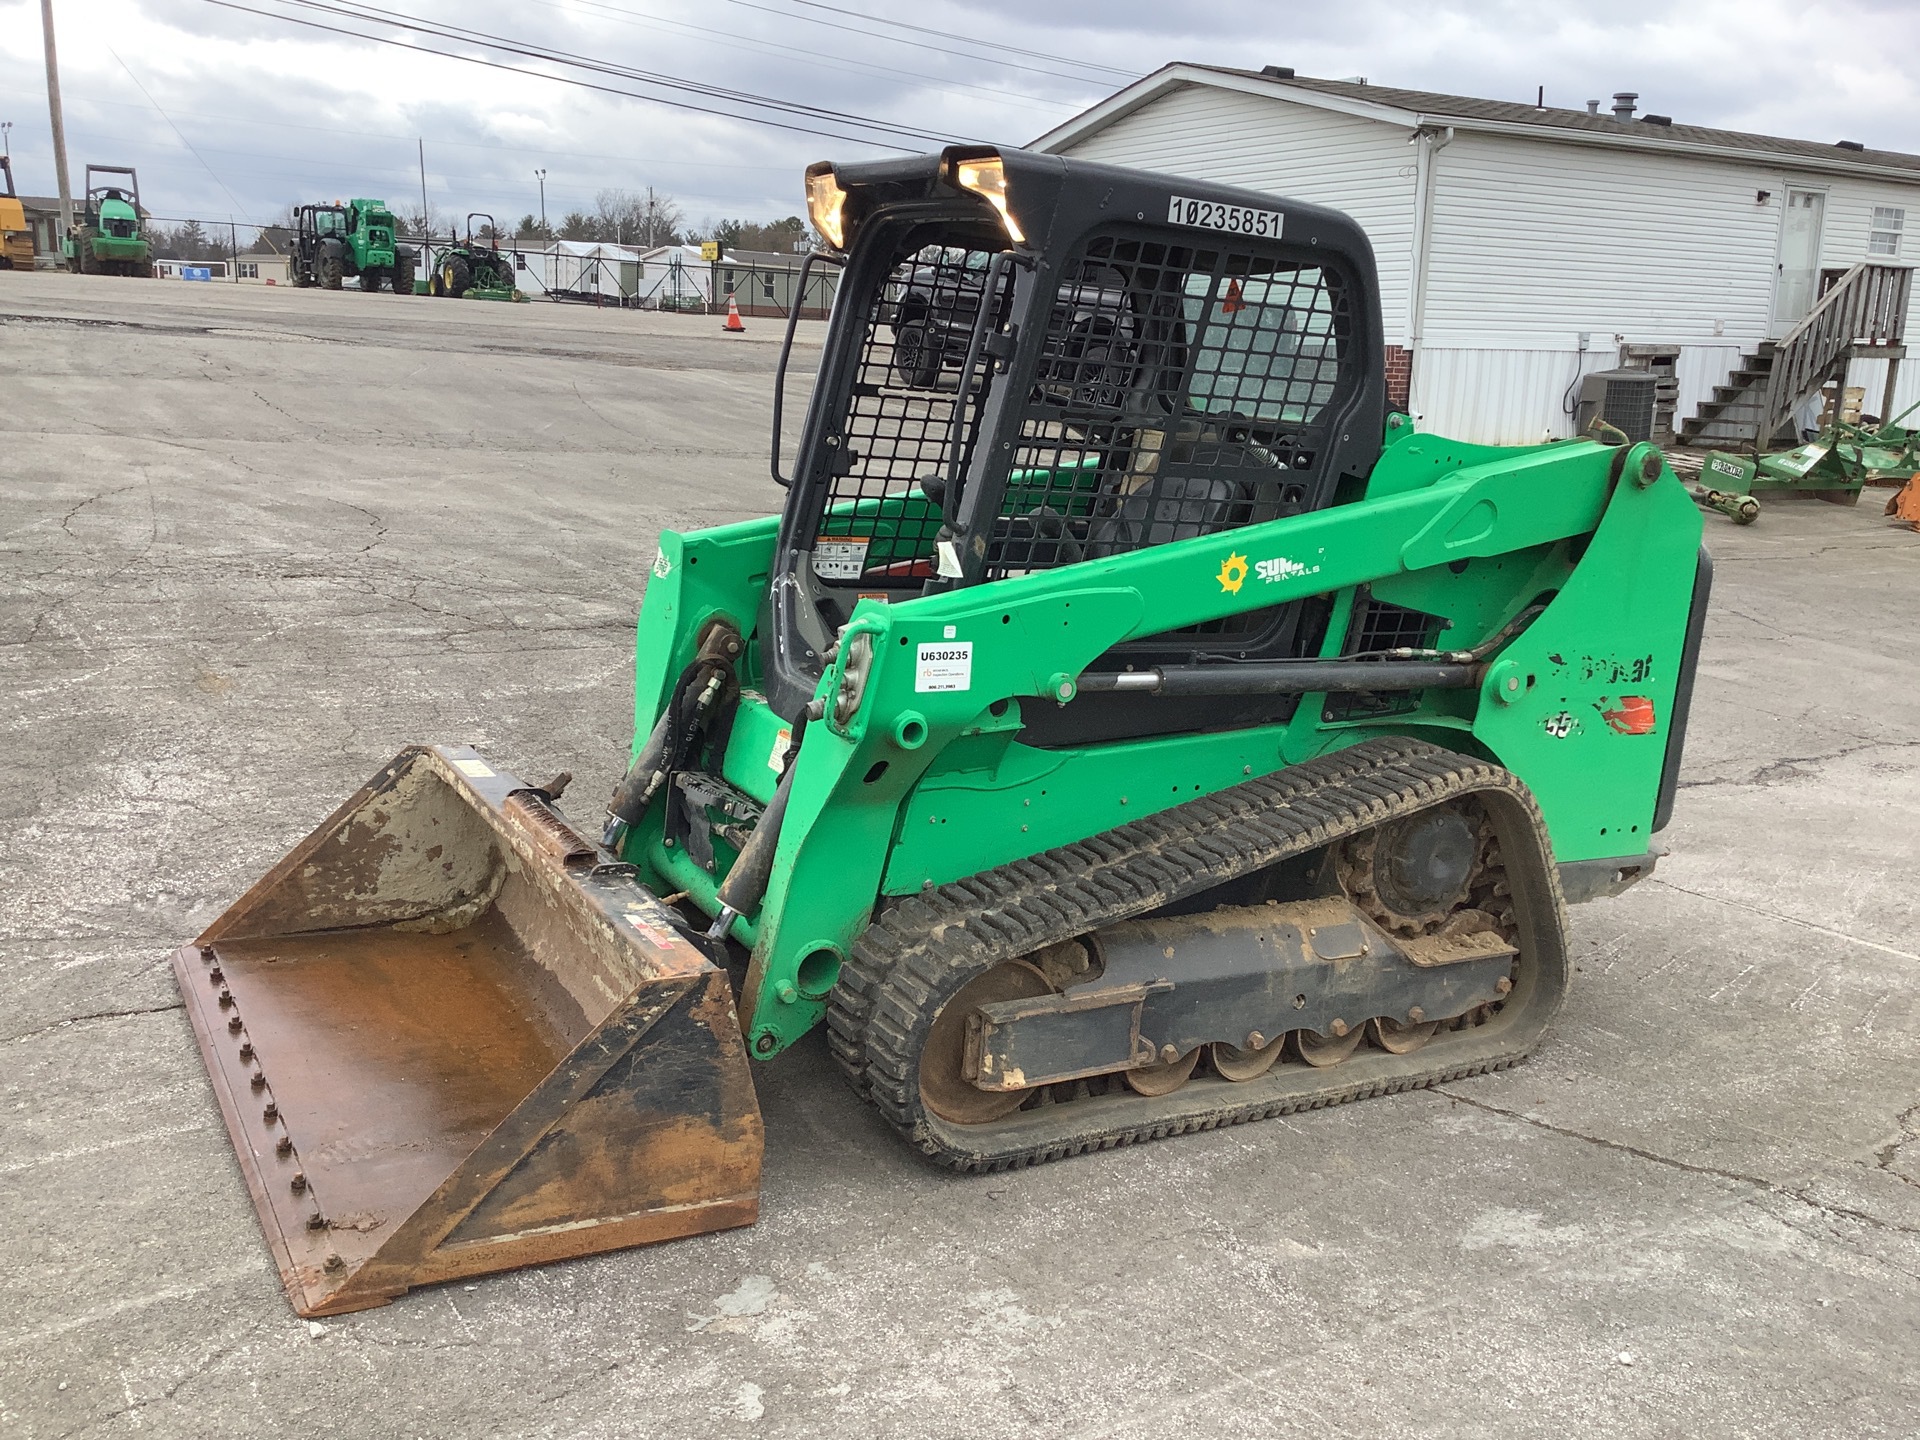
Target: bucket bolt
column 334, row 1262
column 233, row 1025
column 226, row 999
column 259, row 1081
column 246, row 1050
column 1503, row 984
column 284, row 1146
column 1338, row 1027
column 1416, row 1015
column 316, row 1221
column 216, row 975
column 206, row 954
column 271, row 1113
column 298, row 1183
column 1256, row 1041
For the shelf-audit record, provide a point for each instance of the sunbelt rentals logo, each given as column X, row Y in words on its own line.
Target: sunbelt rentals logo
column 1235, row 569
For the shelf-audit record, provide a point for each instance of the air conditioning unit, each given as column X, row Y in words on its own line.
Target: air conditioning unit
column 1623, row 399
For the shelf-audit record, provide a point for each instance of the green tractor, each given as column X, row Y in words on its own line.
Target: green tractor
column 334, row 242
column 1135, row 728
column 106, row 238
column 475, row 268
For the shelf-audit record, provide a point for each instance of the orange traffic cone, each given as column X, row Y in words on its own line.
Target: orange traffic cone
column 733, row 324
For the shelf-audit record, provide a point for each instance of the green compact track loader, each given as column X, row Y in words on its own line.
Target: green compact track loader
column 105, row 238
column 1130, row 728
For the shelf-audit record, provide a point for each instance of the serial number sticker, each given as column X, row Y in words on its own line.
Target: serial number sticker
column 478, row 769
column 1235, row 219
column 841, row 557
column 947, row 665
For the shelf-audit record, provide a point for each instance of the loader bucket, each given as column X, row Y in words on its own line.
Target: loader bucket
column 450, row 1035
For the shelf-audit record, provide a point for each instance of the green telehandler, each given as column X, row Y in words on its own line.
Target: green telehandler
column 105, row 238
column 1133, row 728
column 334, row 242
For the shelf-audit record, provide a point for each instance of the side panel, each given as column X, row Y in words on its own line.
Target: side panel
column 925, row 743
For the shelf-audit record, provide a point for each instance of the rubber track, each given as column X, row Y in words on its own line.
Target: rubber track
column 920, row 950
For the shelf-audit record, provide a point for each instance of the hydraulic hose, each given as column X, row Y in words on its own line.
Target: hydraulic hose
column 746, row 883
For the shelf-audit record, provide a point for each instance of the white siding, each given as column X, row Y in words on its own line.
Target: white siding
column 1843, row 242
column 1534, row 241
column 1361, row 167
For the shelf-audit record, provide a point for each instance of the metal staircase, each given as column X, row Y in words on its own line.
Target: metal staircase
column 1862, row 316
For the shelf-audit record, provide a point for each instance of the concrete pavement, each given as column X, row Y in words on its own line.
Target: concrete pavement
column 256, row 540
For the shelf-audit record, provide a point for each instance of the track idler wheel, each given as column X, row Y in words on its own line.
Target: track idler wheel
column 1249, row 1062
column 1165, row 1077
column 945, row 1088
column 1398, row 1039
column 1324, row 1050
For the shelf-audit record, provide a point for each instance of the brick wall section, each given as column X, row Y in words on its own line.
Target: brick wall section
column 1399, row 375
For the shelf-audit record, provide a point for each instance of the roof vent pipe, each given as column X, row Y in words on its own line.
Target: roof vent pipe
column 1593, row 107
column 1623, row 103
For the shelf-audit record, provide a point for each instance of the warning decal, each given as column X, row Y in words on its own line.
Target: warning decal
column 947, row 665
column 840, row 557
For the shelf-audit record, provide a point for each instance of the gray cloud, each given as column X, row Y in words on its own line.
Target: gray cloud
column 280, row 114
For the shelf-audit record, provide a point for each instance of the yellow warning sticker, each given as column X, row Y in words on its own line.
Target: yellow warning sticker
column 478, row 769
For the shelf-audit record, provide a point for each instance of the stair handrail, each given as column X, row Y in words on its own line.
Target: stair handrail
column 1867, row 303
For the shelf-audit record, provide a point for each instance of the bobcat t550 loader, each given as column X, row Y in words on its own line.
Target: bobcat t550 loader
column 1129, row 726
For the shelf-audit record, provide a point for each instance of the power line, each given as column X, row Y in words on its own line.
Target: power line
column 896, row 40
column 177, row 130
column 463, row 144
column 461, row 35
column 845, row 63
column 966, row 39
column 357, row 10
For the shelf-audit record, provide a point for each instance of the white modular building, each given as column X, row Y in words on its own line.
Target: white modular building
column 1521, row 247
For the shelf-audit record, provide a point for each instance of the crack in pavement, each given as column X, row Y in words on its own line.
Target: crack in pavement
column 1785, row 769
column 133, row 1407
column 96, row 1015
column 1813, row 925
column 1772, row 1187
column 1883, row 1158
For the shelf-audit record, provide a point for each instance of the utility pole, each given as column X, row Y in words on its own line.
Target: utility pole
column 59, row 122
column 543, row 203
column 426, row 223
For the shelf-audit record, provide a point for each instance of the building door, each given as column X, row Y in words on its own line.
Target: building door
column 1797, row 277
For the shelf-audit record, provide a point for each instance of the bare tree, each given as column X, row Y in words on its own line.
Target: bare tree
column 638, row 217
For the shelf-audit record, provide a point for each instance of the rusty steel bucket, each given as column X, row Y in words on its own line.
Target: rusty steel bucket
column 450, row 1034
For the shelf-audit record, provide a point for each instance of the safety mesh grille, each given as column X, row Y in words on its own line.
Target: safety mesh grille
column 1376, row 625
column 903, row 414
column 1175, row 397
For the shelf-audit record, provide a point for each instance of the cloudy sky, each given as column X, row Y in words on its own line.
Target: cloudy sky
column 230, row 113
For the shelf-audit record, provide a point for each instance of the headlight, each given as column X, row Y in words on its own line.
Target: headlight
column 827, row 204
column 988, row 179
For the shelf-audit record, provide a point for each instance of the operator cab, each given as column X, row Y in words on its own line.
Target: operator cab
column 1035, row 362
